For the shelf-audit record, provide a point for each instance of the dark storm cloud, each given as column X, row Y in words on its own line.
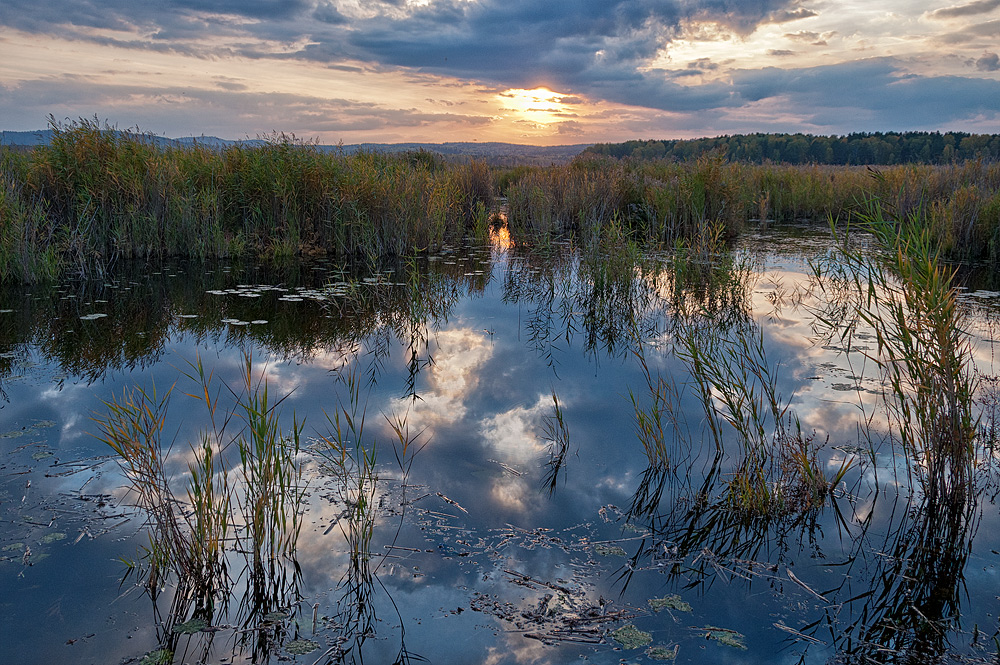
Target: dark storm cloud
column 520, row 41
column 970, row 9
column 990, row 62
column 587, row 49
column 54, row 15
column 871, row 91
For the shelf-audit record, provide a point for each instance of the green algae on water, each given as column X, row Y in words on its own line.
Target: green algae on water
column 158, row 657
column 671, row 602
column 191, row 627
column 631, row 637
column 662, row 652
column 725, row 636
column 301, row 647
column 609, row 550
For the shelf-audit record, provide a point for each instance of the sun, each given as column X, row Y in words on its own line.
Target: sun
column 541, row 105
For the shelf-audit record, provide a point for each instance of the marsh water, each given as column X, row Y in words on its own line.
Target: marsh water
column 526, row 523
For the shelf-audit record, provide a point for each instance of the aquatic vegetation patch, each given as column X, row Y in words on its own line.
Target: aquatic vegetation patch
column 158, row 657
column 191, row 627
column 724, row 636
column 662, row 652
column 631, row 637
column 301, row 647
column 604, row 549
column 671, row 602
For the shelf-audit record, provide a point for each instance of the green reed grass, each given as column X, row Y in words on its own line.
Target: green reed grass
column 257, row 516
column 352, row 456
column 907, row 296
column 97, row 194
column 556, row 432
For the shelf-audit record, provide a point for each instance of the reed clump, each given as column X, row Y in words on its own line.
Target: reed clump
column 96, row 195
column 907, row 296
column 254, row 515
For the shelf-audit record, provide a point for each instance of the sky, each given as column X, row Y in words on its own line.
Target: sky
column 543, row 72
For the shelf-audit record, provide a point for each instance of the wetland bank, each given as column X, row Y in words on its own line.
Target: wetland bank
column 633, row 423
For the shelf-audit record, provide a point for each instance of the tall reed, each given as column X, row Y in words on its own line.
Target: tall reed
column 256, row 518
column 907, row 296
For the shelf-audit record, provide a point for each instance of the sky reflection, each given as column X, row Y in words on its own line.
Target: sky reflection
column 453, row 543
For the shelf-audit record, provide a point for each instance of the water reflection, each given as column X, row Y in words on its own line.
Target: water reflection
column 533, row 524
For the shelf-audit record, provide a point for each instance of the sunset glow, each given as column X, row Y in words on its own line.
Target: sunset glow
column 465, row 70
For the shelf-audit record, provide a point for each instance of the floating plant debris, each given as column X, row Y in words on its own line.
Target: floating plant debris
column 301, row 647
column 92, row 317
column 609, row 550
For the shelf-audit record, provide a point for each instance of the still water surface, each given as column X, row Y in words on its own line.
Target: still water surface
column 513, row 538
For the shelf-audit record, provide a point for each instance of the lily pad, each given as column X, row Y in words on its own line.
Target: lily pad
column 191, row 627
column 301, row 647
column 41, row 454
column 609, row 550
column 631, row 637
column 13, row 547
column 671, row 602
column 50, row 538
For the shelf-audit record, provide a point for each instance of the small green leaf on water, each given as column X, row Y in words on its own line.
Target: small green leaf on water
column 631, row 637
column 662, row 653
column 301, row 647
column 191, row 627
column 41, row 454
column 671, row 602
column 13, row 434
column 13, row 547
column 609, row 550
column 50, row 538
column 44, row 423
column 158, row 657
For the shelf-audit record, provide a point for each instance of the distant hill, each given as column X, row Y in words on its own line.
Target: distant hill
column 881, row 148
column 492, row 152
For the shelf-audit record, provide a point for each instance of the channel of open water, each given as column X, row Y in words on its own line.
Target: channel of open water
column 526, row 523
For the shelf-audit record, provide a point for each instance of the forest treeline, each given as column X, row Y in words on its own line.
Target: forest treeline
column 875, row 148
